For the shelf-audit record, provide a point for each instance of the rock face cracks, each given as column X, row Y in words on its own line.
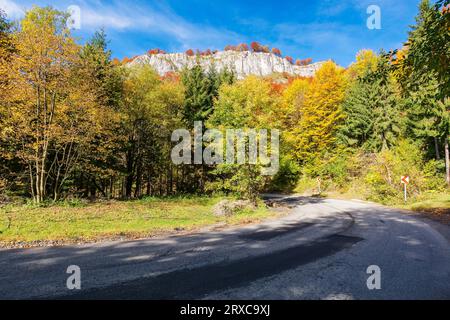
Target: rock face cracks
column 242, row 63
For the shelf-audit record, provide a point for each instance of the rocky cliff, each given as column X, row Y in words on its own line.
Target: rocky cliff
column 242, row 63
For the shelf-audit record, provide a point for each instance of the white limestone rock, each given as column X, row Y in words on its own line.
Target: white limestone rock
column 242, row 63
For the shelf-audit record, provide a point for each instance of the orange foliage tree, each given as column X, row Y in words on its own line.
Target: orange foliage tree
column 171, row 76
column 276, row 51
column 256, row 47
column 242, row 47
column 230, row 48
column 155, row 51
column 306, row 61
column 207, row 52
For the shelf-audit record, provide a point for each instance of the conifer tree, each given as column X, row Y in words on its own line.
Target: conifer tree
column 424, row 72
column 201, row 88
column 372, row 110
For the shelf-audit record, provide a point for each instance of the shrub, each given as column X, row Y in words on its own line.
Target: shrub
column 286, row 178
column 434, row 175
column 383, row 176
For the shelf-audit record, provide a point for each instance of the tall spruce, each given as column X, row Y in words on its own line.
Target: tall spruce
column 101, row 158
column 425, row 73
column 372, row 110
column 201, row 88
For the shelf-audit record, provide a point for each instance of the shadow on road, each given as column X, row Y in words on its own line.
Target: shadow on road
column 197, row 282
column 40, row 272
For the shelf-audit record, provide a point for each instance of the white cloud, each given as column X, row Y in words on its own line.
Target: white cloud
column 95, row 19
column 12, row 10
column 154, row 21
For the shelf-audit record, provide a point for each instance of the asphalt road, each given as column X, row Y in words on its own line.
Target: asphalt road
column 321, row 250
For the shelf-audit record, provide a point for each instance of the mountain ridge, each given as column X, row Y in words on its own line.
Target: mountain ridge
column 243, row 63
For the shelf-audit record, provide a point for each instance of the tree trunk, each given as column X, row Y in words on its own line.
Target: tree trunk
column 33, row 194
column 436, row 148
column 170, row 188
column 39, row 191
column 384, row 145
column 130, row 174
column 447, row 161
column 149, row 190
column 137, row 191
column 149, row 182
column 111, row 186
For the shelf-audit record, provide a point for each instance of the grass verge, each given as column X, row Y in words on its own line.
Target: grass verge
column 435, row 206
column 64, row 223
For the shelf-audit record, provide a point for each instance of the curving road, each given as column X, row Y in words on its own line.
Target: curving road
column 321, row 250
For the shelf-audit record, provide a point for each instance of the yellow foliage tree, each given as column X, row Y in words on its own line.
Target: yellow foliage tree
column 321, row 112
column 291, row 109
column 366, row 60
column 245, row 104
column 49, row 110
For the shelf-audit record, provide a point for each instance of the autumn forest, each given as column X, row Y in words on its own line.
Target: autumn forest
column 75, row 123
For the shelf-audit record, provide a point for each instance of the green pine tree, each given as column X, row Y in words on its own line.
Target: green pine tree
column 97, row 62
column 426, row 78
column 372, row 111
column 201, row 88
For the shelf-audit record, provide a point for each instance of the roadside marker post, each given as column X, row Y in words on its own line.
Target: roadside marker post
column 406, row 200
column 319, row 181
column 405, row 181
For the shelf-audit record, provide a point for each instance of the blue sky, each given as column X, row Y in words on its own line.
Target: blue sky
column 320, row 29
